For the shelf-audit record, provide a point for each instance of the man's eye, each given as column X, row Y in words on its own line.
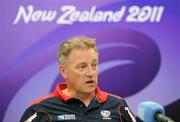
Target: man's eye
column 82, row 66
column 94, row 65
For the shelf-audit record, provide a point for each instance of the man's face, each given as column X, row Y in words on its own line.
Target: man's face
column 81, row 70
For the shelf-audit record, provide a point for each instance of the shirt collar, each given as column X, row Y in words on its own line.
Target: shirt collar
column 100, row 95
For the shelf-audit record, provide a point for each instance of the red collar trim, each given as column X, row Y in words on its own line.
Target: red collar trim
column 101, row 95
column 58, row 91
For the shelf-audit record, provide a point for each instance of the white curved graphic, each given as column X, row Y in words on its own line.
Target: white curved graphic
column 110, row 64
column 109, row 45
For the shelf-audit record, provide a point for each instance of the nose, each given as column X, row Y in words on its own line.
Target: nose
column 91, row 72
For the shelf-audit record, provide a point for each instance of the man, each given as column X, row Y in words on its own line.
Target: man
column 79, row 98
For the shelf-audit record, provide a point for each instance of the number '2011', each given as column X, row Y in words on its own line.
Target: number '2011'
column 146, row 13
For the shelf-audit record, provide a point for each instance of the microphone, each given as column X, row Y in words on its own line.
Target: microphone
column 152, row 112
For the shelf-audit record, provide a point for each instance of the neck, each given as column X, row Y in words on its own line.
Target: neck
column 84, row 97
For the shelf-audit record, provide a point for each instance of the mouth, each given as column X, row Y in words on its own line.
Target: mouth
column 90, row 82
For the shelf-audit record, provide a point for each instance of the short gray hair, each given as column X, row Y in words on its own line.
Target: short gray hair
column 75, row 42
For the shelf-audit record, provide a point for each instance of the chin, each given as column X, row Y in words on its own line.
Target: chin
column 89, row 90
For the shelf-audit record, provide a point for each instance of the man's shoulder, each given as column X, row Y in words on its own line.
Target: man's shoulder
column 42, row 99
column 115, row 98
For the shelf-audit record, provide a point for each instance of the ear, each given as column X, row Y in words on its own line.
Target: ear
column 63, row 71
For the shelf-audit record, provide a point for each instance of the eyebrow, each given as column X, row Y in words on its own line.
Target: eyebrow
column 95, row 60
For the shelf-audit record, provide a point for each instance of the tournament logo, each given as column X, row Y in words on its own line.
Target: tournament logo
column 106, row 114
column 66, row 117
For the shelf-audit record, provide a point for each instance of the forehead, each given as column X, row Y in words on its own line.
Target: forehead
column 78, row 55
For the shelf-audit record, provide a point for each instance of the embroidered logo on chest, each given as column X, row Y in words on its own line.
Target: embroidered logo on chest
column 105, row 114
column 66, row 117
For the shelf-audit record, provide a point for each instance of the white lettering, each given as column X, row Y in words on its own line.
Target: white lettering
column 84, row 16
column 119, row 14
column 66, row 117
column 144, row 14
column 22, row 13
column 34, row 16
column 48, row 15
column 71, row 15
column 98, row 16
column 68, row 10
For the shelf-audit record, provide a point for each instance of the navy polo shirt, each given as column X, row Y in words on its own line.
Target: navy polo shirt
column 58, row 107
